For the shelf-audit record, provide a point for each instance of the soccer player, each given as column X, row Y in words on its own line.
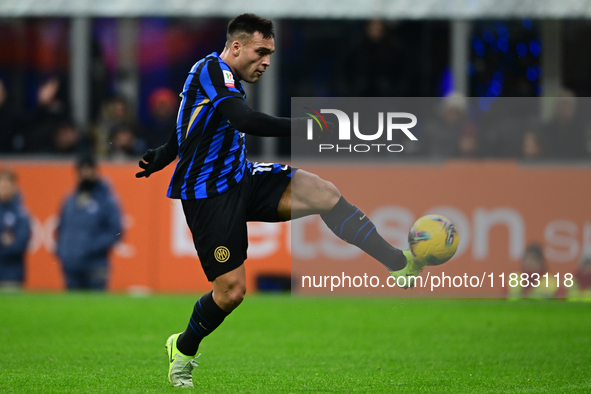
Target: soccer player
column 221, row 190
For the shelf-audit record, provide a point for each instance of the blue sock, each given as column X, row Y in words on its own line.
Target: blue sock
column 352, row 226
column 206, row 317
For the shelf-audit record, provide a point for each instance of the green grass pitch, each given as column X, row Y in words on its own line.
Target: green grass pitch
column 74, row 343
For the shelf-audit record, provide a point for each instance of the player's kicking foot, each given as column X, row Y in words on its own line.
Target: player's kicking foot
column 180, row 371
column 412, row 269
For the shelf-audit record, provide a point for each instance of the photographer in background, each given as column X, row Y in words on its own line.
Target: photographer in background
column 89, row 226
column 15, row 231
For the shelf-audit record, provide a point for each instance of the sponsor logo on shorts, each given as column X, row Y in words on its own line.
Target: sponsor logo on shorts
column 221, row 254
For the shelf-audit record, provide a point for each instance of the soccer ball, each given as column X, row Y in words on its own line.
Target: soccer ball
column 433, row 239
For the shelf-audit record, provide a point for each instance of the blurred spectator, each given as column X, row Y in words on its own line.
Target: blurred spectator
column 15, row 231
column 581, row 288
column 89, row 226
column 46, row 118
column 534, row 267
column 532, row 147
column 376, row 66
column 115, row 113
column 67, row 138
column 124, row 143
column 444, row 134
column 468, row 144
column 163, row 105
column 503, row 125
column 565, row 133
column 11, row 138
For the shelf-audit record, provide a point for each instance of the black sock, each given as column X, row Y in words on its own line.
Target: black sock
column 206, row 317
column 352, row 226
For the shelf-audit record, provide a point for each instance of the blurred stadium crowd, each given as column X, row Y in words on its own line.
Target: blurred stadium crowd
column 116, row 133
column 316, row 58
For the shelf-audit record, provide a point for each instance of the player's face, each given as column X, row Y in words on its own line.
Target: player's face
column 254, row 58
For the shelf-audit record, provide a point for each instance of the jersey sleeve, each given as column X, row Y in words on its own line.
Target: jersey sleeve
column 218, row 82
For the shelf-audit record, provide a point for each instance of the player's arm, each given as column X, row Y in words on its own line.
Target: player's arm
column 156, row 159
column 249, row 121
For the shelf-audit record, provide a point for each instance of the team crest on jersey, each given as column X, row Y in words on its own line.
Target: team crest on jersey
column 228, row 78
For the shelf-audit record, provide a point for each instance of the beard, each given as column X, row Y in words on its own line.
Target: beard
column 87, row 185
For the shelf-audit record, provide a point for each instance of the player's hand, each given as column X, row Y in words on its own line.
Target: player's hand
column 145, row 164
column 154, row 160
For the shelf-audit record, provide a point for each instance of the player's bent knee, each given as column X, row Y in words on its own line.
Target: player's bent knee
column 329, row 194
column 237, row 295
column 229, row 297
column 233, row 298
column 332, row 192
column 315, row 192
column 229, row 289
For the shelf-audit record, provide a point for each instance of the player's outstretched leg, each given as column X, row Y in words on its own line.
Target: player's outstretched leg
column 347, row 222
column 412, row 269
column 310, row 194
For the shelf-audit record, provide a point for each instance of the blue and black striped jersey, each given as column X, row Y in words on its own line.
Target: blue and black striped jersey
column 212, row 153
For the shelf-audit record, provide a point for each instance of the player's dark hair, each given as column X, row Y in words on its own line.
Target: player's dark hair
column 248, row 24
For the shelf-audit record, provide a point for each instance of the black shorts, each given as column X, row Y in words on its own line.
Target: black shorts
column 218, row 224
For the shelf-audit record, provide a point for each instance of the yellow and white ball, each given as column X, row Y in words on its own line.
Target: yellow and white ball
column 433, row 239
